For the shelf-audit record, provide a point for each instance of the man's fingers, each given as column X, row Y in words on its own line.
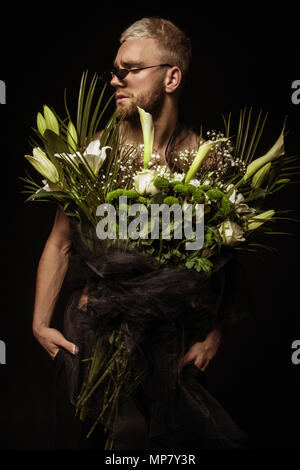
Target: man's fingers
column 203, row 366
column 187, row 358
column 62, row 342
column 70, row 347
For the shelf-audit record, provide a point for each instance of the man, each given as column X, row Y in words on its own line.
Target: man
column 149, row 70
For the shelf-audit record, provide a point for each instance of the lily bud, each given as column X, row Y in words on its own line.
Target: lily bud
column 275, row 152
column 72, row 137
column 202, row 153
column 41, row 123
column 51, row 121
column 261, row 219
column 260, row 175
column 148, row 135
column 43, row 165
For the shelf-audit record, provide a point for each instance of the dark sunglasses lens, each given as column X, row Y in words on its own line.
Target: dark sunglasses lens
column 107, row 76
column 122, row 73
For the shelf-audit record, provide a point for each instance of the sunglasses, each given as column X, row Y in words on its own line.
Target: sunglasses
column 122, row 73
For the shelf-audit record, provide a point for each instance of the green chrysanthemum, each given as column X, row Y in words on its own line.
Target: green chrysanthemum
column 161, row 182
column 142, row 200
column 114, row 194
column 205, row 187
column 184, row 189
column 130, row 193
column 214, row 194
column 171, row 200
column 226, row 205
column 199, row 196
column 209, row 238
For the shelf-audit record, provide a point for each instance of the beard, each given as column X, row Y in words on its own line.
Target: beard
column 151, row 102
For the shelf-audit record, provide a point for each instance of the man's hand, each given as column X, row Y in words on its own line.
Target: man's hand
column 52, row 340
column 203, row 352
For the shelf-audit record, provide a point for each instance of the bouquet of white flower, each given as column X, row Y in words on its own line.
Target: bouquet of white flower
column 212, row 206
column 217, row 202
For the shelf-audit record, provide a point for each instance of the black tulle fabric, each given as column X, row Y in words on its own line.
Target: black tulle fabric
column 162, row 311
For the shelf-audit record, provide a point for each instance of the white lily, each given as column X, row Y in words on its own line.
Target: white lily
column 143, row 182
column 48, row 186
column 202, row 153
column 275, row 152
column 95, row 155
column 238, row 200
column 43, row 165
column 148, row 135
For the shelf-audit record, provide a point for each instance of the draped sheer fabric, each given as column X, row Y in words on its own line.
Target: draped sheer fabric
column 161, row 312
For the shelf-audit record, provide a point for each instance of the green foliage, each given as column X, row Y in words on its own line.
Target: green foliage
column 200, row 264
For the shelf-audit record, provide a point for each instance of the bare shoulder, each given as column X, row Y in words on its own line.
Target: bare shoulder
column 61, row 229
column 183, row 149
column 188, row 140
column 98, row 135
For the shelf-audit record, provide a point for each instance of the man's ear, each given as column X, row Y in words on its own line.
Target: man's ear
column 173, row 79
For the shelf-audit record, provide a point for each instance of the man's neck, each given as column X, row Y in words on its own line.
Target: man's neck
column 164, row 127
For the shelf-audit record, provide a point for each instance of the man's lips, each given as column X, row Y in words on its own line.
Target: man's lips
column 121, row 97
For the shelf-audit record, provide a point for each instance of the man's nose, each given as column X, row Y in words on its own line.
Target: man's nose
column 116, row 82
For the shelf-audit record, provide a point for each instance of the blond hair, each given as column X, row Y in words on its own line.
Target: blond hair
column 174, row 45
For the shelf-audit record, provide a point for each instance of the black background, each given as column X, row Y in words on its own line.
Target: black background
column 242, row 56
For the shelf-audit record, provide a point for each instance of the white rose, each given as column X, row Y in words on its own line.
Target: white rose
column 143, row 182
column 231, row 233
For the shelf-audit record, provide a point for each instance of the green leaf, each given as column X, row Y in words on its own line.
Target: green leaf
column 55, row 142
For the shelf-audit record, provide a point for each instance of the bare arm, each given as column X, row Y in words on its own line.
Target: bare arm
column 51, row 272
